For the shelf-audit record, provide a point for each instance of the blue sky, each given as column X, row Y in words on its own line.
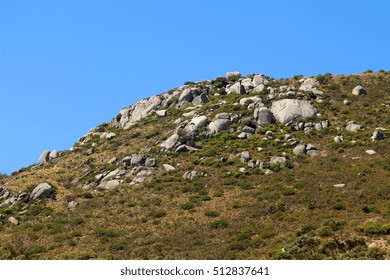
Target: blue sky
column 68, row 66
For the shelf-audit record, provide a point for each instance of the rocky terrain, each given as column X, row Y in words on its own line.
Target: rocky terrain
column 232, row 168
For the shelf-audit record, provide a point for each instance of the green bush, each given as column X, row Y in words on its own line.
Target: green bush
column 219, row 224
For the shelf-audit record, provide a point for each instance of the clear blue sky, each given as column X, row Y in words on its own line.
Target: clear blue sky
column 67, row 66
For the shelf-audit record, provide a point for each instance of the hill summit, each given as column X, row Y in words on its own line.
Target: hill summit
column 232, row 168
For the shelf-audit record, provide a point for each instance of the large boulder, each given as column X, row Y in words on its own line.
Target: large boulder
column 359, row 91
column 110, row 185
column 237, row 88
column 138, row 111
column 41, row 191
column 263, row 116
column 45, row 157
column 288, row 110
column 137, row 159
column 231, row 75
column 201, row 99
column 219, row 125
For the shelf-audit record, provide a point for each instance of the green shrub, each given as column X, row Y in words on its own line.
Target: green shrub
column 219, row 224
column 211, row 213
column 188, row 205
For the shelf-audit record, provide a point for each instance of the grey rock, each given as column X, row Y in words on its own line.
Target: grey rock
column 244, row 135
column 161, row 113
column 150, row 162
column 24, row 197
column 313, row 153
column 53, row 154
column 201, row 99
column 45, row 157
column 359, row 91
column 190, row 174
column 181, row 149
column 126, row 160
column 263, row 116
column 168, row 167
column 300, row 150
column 275, row 160
column 110, row 185
column 242, row 169
column 318, row 126
column 237, row 88
column 258, row 88
column 219, row 125
column 338, row 138
column 251, row 164
column 12, row 220
column 259, row 80
column 245, row 157
column 248, row 129
column 170, row 142
column 370, row 152
column 223, row 116
column 351, row 127
column 325, row 123
column 310, row 147
column 111, row 160
column 252, row 99
column 378, row 135
column 287, row 110
column 137, row 159
column 142, row 176
column 41, row 191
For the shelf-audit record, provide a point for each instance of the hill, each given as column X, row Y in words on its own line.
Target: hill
column 232, row 168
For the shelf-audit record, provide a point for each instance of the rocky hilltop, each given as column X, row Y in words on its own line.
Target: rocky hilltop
column 236, row 167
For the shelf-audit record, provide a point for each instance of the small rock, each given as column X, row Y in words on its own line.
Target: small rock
column 245, row 157
column 72, row 204
column 24, row 197
column 137, row 159
column 12, row 220
column 126, row 160
column 351, row 127
column 241, row 169
column 161, row 113
column 277, row 160
column 168, row 167
column 359, row 91
column 300, row 150
column 53, row 154
column 252, row 164
column 371, row 152
column 373, row 245
column 339, row 185
column 378, row 135
column 170, row 142
column 150, row 162
column 338, row 139
column 110, row 185
column 112, row 160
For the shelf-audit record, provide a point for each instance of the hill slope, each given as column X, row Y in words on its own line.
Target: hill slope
column 231, row 168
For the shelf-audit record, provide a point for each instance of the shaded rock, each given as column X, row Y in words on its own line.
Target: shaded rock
column 126, row 160
column 378, row 135
column 137, row 159
column 359, row 91
column 251, row 164
column 181, row 149
column 237, row 88
column 263, row 116
column 219, row 125
column 248, row 129
column 45, row 157
column 243, row 135
column 200, row 100
column 287, row 110
column 299, row 150
column 168, row 167
column 24, row 197
column 245, row 157
column 41, row 191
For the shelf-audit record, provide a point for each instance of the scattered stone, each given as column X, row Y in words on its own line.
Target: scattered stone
column 242, row 169
column 126, row 160
column 168, row 167
column 190, row 174
column 24, row 197
column 359, row 91
column 339, row 185
column 170, row 142
column 243, row 135
column 338, row 138
column 45, row 157
column 150, row 162
column 352, row 127
column 112, row 160
column 41, row 191
column 300, row 150
column 181, row 149
column 110, row 185
column 200, row 100
column 346, row 102
column 237, row 88
column 142, row 176
column 245, row 157
column 12, row 220
column 73, row 204
column 137, row 159
column 371, row 152
column 313, row 153
column 251, row 164
column 219, row 125
column 275, row 160
column 161, row 113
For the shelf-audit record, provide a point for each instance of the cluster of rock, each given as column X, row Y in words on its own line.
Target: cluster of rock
column 9, row 199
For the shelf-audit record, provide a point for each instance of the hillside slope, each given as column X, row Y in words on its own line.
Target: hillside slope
column 232, row 168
